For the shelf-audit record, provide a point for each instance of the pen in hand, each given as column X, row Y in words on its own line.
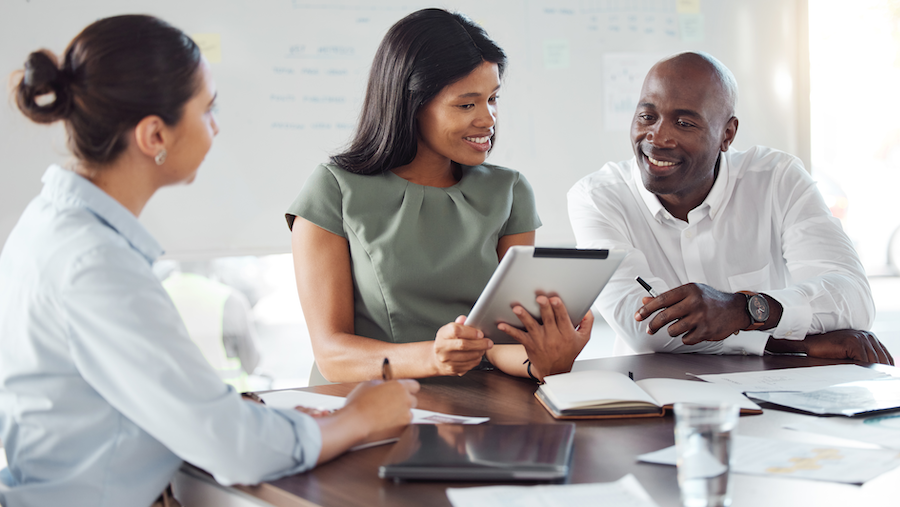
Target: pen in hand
column 253, row 397
column 386, row 373
column 647, row 287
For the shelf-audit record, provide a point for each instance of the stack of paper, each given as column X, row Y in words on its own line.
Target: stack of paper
column 881, row 430
column 844, row 389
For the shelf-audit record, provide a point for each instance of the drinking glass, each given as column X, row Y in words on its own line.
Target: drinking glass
column 703, row 445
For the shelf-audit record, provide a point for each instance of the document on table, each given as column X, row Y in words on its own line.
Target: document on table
column 795, row 379
column 626, row 492
column 780, row 458
column 848, row 399
column 882, row 430
column 290, row 399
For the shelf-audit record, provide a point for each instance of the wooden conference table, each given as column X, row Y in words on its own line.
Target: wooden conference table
column 604, row 450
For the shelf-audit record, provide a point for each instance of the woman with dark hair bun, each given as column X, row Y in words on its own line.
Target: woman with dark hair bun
column 102, row 391
column 394, row 240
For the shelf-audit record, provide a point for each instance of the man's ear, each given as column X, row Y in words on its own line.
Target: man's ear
column 731, row 128
column 150, row 135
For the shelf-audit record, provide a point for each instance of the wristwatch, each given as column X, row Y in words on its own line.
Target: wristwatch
column 757, row 307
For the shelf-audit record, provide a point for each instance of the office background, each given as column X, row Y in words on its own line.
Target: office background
column 291, row 76
column 817, row 79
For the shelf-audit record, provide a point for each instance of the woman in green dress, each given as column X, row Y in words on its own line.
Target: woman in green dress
column 395, row 238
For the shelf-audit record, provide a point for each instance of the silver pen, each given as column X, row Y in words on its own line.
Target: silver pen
column 647, row 287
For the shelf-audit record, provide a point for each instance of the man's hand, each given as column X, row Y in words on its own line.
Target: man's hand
column 703, row 313
column 860, row 346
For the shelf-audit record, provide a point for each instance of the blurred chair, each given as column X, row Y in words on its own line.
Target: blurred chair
column 218, row 320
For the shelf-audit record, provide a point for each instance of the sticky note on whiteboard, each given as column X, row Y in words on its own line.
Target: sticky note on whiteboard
column 691, row 27
column 687, row 6
column 210, row 45
column 556, row 54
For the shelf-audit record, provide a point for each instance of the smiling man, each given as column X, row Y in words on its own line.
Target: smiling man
column 740, row 246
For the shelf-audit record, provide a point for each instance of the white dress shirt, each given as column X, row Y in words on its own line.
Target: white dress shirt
column 763, row 227
column 102, row 392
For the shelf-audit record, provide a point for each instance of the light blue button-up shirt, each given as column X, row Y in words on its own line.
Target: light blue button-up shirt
column 102, row 392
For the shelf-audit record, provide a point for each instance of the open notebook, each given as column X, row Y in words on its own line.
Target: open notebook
column 596, row 394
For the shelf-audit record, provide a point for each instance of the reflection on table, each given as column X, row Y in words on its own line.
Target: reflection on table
column 604, row 450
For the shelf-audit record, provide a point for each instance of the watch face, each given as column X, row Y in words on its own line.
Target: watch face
column 759, row 308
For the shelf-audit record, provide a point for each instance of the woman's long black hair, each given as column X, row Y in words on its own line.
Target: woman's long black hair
column 420, row 55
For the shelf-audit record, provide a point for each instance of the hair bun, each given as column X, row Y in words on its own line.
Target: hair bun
column 43, row 76
column 40, row 70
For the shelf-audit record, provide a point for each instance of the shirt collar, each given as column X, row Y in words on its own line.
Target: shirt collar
column 653, row 205
column 714, row 199
column 68, row 189
column 717, row 193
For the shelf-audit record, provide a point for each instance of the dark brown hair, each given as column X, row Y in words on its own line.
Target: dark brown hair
column 420, row 55
column 116, row 72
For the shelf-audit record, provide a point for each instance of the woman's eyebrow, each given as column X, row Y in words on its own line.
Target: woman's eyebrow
column 474, row 94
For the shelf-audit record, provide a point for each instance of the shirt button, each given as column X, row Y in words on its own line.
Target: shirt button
column 744, row 352
column 789, row 333
column 689, row 234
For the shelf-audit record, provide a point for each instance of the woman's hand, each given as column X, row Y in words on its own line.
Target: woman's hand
column 458, row 348
column 374, row 411
column 385, row 406
column 552, row 346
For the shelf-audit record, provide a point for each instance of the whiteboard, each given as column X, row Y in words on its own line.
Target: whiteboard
column 291, row 77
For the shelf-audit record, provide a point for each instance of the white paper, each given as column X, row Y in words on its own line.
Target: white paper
column 882, row 430
column 291, row 399
column 847, row 399
column 795, row 379
column 626, row 492
column 668, row 391
column 780, row 458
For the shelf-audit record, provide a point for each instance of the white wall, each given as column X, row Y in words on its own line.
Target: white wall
column 292, row 75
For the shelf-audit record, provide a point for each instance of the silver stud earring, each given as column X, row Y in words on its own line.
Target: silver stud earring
column 161, row 157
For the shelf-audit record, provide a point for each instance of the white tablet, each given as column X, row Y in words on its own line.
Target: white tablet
column 575, row 275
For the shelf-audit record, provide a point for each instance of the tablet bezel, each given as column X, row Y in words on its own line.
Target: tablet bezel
column 575, row 275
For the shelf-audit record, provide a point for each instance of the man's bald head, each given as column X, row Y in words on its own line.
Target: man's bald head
column 722, row 78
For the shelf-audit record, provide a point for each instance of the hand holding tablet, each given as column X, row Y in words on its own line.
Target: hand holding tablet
column 575, row 276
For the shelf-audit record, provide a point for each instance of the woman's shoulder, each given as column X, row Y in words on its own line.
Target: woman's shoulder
column 329, row 171
column 332, row 172
column 494, row 173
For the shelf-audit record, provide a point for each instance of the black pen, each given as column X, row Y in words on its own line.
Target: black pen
column 253, row 397
column 386, row 373
column 646, row 286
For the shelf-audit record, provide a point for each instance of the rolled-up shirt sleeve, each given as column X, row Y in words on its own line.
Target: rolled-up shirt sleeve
column 829, row 289
column 137, row 355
